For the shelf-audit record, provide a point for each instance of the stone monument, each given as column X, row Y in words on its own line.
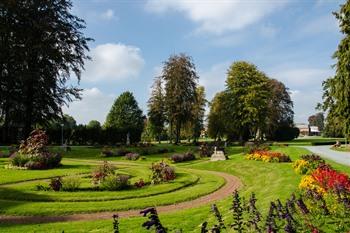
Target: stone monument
column 218, row 155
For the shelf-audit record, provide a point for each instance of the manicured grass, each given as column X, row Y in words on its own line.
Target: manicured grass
column 307, row 141
column 342, row 148
column 268, row 180
column 47, row 204
column 8, row 176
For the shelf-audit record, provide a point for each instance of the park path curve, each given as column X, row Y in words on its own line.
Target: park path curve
column 232, row 183
column 327, row 152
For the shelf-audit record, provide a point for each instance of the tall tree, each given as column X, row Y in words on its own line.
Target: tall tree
column 280, row 109
column 317, row 120
column 180, row 78
column 198, row 111
column 42, row 45
column 156, row 110
column 218, row 115
column 125, row 115
column 337, row 89
column 249, row 92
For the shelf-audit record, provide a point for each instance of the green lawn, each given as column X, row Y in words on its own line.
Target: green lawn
column 268, row 180
column 342, row 148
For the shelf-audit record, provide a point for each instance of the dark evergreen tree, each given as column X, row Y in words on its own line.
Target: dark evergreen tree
column 337, row 89
column 41, row 46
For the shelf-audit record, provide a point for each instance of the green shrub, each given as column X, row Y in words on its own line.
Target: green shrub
column 19, row 160
column 115, row 182
column 71, row 183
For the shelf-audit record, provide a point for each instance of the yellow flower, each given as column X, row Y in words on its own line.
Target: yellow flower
column 308, row 182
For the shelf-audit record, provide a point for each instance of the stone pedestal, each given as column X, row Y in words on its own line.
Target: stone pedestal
column 217, row 156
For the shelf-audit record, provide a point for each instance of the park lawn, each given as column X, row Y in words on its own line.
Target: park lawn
column 269, row 181
column 8, row 176
column 206, row 184
column 342, row 148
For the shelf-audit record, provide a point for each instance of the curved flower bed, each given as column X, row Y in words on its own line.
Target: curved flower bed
column 268, row 156
column 326, row 180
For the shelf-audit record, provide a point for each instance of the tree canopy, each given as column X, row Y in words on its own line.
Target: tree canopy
column 180, row 77
column 125, row 115
column 42, row 45
column 336, row 96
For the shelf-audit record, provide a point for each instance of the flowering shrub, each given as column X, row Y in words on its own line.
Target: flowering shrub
column 106, row 152
column 101, row 172
column 34, row 154
column 177, row 158
column 326, row 180
column 56, row 184
column 268, row 156
column 330, row 179
column 140, row 183
column 205, row 150
column 115, row 182
column 301, row 166
column 132, row 156
column 35, row 143
column 162, row 172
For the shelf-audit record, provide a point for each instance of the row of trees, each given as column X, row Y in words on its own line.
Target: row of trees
column 177, row 101
column 124, row 121
column 251, row 106
column 41, row 46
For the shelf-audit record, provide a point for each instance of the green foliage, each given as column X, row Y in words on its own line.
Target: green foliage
column 156, row 110
column 279, row 126
column 317, row 120
column 336, row 89
column 197, row 123
column 35, row 75
column 71, row 183
column 249, row 91
column 126, row 116
column 180, row 78
column 218, row 121
column 115, row 182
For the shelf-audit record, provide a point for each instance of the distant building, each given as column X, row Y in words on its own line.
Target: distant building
column 307, row 130
column 314, row 131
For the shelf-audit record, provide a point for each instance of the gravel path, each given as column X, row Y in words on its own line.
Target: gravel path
column 325, row 151
column 232, row 183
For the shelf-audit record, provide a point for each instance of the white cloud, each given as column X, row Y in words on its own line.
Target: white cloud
column 108, row 14
column 305, row 103
column 113, row 62
column 302, row 78
column 321, row 25
column 306, row 88
column 94, row 105
column 218, row 16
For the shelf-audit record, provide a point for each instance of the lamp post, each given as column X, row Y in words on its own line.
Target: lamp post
column 62, row 133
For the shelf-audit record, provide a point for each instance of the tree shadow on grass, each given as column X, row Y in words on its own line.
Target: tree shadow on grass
column 8, row 203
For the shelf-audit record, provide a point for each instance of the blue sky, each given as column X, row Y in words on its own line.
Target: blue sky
column 289, row 40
